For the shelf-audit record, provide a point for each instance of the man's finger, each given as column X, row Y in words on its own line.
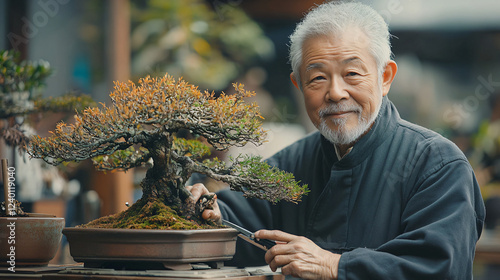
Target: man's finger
column 276, row 235
column 278, row 261
column 197, row 190
column 278, row 251
column 214, row 213
column 211, row 215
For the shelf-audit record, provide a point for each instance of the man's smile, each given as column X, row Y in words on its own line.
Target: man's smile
column 340, row 114
column 337, row 116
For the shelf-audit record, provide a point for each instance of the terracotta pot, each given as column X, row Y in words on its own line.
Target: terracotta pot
column 173, row 248
column 29, row 241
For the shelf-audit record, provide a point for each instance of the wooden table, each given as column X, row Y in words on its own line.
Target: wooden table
column 78, row 272
column 29, row 273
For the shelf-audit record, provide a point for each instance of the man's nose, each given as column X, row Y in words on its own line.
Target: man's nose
column 336, row 90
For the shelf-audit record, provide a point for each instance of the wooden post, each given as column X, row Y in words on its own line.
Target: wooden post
column 115, row 189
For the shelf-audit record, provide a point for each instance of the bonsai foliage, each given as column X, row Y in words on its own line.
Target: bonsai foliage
column 143, row 123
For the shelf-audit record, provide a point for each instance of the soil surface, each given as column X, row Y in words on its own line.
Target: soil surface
column 148, row 214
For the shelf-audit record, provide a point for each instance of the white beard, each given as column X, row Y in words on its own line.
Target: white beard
column 343, row 135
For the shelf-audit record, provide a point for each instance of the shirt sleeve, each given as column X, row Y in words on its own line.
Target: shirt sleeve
column 440, row 226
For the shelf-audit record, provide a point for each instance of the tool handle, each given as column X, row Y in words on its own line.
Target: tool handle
column 265, row 242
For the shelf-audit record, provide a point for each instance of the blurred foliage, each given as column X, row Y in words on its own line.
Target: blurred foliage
column 486, row 142
column 207, row 45
column 485, row 157
column 19, row 81
column 16, row 75
column 69, row 102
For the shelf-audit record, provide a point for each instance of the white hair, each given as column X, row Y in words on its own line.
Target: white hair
column 333, row 19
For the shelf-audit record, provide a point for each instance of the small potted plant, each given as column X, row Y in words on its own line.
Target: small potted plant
column 26, row 239
column 143, row 125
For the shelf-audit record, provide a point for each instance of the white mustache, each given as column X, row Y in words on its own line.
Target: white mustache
column 336, row 108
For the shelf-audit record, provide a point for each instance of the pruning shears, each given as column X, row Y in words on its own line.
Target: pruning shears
column 248, row 236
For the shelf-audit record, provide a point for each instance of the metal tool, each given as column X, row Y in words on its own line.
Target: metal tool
column 264, row 244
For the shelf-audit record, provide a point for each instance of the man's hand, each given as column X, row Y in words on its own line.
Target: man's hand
column 299, row 256
column 197, row 190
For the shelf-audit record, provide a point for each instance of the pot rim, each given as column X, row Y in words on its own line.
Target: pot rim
column 151, row 231
column 32, row 218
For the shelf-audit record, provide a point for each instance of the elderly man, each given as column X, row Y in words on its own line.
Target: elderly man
column 388, row 199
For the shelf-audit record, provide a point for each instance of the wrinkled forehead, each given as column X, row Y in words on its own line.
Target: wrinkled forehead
column 350, row 39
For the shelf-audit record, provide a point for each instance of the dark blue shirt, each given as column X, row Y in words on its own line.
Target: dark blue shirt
column 403, row 204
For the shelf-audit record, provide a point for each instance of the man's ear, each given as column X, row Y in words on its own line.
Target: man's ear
column 388, row 76
column 294, row 82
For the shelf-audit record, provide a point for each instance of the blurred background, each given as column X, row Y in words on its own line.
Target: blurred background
column 448, row 53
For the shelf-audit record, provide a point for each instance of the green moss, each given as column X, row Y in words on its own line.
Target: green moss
column 147, row 214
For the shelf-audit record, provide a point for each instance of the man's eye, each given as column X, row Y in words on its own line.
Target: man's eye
column 317, row 78
column 352, row 74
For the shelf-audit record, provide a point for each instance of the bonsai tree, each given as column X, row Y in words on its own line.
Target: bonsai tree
column 143, row 125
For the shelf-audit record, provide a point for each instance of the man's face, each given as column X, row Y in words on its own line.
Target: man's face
column 341, row 86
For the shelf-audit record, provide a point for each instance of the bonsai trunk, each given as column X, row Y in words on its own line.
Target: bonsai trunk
column 169, row 189
column 165, row 182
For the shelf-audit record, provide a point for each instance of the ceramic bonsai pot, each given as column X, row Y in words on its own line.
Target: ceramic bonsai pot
column 175, row 249
column 29, row 241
